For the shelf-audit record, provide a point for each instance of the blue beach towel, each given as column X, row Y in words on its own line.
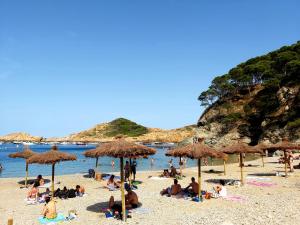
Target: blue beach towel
column 60, row 217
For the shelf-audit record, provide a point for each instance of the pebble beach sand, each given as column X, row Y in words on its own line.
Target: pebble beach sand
column 278, row 202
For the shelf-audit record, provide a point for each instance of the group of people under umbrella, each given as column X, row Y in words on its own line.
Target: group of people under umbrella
column 126, row 150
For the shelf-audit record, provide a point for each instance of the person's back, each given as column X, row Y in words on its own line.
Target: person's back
column 34, row 192
column 131, row 198
column 49, row 211
column 175, row 188
column 195, row 187
column 173, row 172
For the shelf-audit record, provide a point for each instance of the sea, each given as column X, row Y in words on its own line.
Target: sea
column 16, row 167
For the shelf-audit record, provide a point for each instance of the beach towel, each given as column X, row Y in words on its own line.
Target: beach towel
column 141, row 211
column 259, row 178
column 261, row 184
column 235, row 198
column 136, row 182
column 158, row 178
column 60, row 218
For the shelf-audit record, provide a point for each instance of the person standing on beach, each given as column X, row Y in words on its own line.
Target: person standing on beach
column 170, row 163
column 127, row 171
column 113, row 164
column 151, row 162
column 290, row 159
column 133, row 168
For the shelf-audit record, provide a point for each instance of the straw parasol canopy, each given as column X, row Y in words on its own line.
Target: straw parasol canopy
column 196, row 151
column 284, row 146
column 25, row 154
column 240, row 148
column 51, row 157
column 123, row 149
column 94, row 153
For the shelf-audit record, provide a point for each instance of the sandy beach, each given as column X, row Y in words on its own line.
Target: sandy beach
column 276, row 203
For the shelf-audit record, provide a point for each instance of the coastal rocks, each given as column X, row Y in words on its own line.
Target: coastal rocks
column 20, row 137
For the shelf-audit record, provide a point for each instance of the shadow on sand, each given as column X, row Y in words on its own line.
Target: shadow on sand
column 102, row 206
column 263, row 174
column 213, row 172
column 218, row 181
column 31, row 181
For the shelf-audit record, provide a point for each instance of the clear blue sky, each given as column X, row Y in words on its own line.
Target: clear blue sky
column 66, row 65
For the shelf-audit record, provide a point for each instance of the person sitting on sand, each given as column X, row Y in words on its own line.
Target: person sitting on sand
column 193, row 188
column 173, row 190
column 173, row 172
column 166, row 173
column 220, row 190
column 45, row 195
column 40, row 180
column 64, row 193
column 131, row 199
column 49, row 210
column 33, row 194
column 80, row 190
column 112, row 184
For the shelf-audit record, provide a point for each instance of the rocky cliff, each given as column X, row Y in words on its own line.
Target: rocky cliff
column 20, row 136
column 258, row 101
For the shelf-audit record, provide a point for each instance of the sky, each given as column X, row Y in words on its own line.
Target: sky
column 66, row 65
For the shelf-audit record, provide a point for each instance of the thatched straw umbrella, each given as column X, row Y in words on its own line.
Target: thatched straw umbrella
column 94, row 153
column 196, row 151
column 240, row 148
column 51, row 157
column 25, row 154
column 283, row 146
column 123, row 149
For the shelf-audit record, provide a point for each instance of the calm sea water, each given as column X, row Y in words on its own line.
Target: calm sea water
column 16, row 167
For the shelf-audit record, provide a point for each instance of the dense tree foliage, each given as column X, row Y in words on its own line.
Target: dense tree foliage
column 125, row 127
column 275, row 69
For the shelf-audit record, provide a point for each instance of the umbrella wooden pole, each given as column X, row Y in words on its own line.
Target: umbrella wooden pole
column 122, row 189
column 263, row 161
column 26, row 178
column 199, row 179
column 52, row 185
column 241, row 165
column 224, row 163
column 97, row 162
column 180, row 166
column 285, row 164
